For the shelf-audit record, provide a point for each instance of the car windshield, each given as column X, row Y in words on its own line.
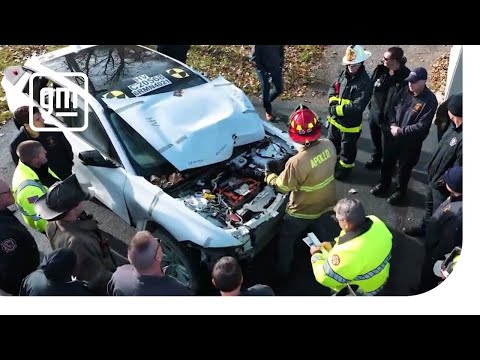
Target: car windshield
column 127, row 70
column 143, row 157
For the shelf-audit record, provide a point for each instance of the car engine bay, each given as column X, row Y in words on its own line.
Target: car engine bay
column 232, row 193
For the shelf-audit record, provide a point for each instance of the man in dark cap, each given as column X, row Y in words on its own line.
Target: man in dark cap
column 410, row 119
column 447, row 154
column 444, row 231
column 70, row 227
column 54, row 277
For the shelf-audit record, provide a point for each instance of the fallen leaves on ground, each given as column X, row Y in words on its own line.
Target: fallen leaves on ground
column 438, row 74
column 17, row 55
column 233, row 63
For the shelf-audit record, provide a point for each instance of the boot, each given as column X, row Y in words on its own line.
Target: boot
column 380, row 189
column 374, row 163
column 342, row 173
column 396, row 198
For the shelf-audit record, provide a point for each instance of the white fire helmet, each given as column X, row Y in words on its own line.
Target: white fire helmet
column 355, row 54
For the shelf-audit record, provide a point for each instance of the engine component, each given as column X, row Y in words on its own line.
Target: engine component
column 261, row 201
column 239, row 162
column 165, row 181
column 271, row 152
column 232, row 193
column 196, row 203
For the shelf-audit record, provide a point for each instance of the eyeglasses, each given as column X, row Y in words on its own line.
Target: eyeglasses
column 385, row 59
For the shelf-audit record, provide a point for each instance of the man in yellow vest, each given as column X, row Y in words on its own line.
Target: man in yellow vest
column 31, row 179
column 359, row 256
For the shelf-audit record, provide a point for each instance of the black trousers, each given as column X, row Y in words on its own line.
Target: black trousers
column 406, row 152
column 345, row 144
column 269, row 96
column 376, row 135
column 294, row 229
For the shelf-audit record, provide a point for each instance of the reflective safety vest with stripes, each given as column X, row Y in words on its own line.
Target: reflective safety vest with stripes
column 339, row 110
column 27, row 188
column 363, row 260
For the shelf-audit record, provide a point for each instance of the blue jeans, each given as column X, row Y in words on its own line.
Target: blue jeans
column 277, row 80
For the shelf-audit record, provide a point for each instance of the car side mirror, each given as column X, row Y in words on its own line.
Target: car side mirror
column 94, row 158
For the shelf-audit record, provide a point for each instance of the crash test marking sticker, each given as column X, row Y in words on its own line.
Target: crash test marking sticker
column 177, row 73
column 335, row 260
column 115, row 94
column 145, row 84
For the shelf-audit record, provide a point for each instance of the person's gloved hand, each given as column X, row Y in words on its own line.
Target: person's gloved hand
column 268, row 167
column 273, row 166
column 332, row 110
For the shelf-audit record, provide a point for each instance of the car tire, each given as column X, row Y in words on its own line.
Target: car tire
column 180, row 262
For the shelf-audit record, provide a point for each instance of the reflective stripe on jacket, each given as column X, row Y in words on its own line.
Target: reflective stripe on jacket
column 353, row 96
column 27, row 188
column 360, row 257
column 309, row 177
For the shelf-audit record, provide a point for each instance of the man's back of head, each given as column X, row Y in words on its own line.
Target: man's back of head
column 22, row 114
column 29, row 152
column 6, row 196
column 227, row 275
column 145, row 254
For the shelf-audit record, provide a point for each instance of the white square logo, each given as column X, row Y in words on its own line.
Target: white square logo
column 59, row 98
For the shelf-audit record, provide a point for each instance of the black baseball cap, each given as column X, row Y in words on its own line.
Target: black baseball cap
column 417, row 74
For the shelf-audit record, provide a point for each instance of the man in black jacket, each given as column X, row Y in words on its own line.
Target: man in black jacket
column 59, row 150
column 19, row 254
column 447, row 154
column 178, row 52
column 444, row 231
column 347, row 98
column 410, row 120
column 269, row 60
column 388, row 79
column 54, row 277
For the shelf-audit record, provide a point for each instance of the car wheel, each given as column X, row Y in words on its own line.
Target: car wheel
column 180, row 262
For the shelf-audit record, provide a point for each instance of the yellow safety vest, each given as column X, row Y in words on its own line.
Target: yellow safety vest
column 363, row 261
column 27, row 188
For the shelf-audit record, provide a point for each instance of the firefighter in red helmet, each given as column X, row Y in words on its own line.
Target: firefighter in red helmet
column 308, row 176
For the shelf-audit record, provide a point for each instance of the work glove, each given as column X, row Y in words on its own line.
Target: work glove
column 273, row 166
column 278, row 165
column 332, row 110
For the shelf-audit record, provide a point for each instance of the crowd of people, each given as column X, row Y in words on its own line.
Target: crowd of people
column 401, row 111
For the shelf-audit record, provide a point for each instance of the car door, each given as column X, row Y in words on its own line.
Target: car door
column 105, row 179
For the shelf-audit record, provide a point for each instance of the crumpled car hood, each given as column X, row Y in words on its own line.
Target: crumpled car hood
column 198, row 127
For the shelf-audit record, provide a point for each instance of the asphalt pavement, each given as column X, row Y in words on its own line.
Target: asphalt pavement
column 407, row 253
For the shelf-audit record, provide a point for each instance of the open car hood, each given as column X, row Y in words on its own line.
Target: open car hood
column 197, row 127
